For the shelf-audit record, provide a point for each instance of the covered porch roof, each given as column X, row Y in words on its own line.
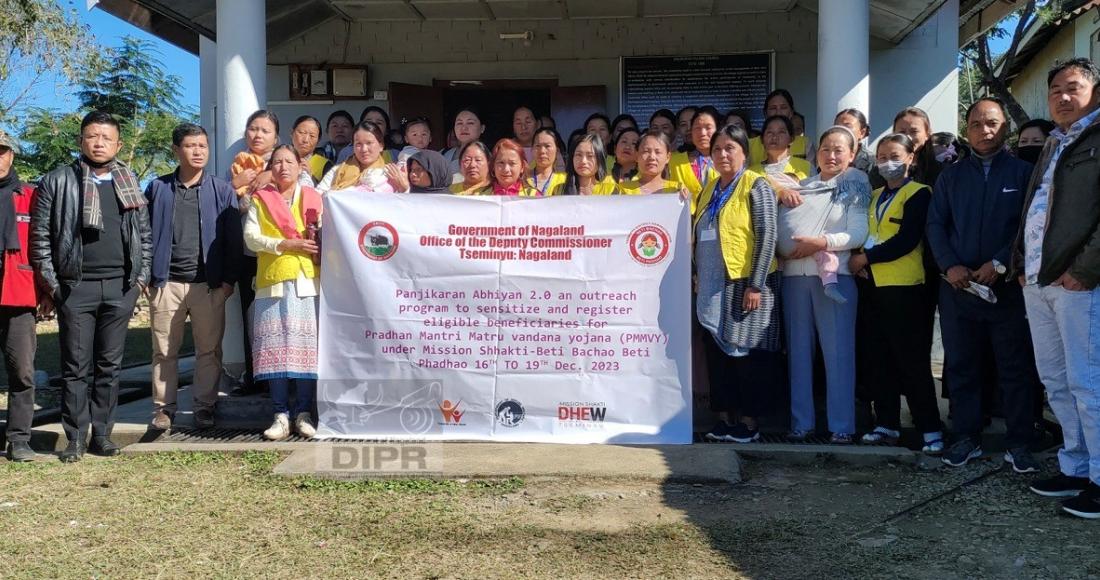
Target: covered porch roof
column 181, row 23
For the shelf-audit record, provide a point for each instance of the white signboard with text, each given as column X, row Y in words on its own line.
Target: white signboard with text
column 563, row 319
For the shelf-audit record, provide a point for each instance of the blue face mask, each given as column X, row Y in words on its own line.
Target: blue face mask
column 892, row 170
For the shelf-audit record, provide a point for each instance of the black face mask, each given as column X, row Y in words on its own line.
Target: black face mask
column 1029, row 153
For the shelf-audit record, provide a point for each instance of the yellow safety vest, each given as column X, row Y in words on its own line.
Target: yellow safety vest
column 757, row 151
column 798, row 167
column 272, row 269
column 317, row 165
column 679, row 169
column 634, row 187
column 907, row 270
column 735, row 234
column 553, row 187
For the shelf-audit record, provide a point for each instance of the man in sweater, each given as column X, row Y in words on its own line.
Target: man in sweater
column 196, row 229
column 972, row 221
column 90, row 244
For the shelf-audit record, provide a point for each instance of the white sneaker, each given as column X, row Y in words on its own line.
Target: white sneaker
column 303, row 424
column 280, row 429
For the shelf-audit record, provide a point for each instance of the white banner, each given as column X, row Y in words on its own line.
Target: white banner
column 564, row 319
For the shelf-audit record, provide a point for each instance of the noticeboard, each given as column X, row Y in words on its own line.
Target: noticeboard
column 727, row 81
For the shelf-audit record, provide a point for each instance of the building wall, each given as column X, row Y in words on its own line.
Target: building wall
column 1030, row 87
column 920, row 71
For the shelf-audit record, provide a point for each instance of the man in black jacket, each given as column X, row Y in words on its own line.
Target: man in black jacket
column 1057, row 258
column 92, row 248
column 972, row 221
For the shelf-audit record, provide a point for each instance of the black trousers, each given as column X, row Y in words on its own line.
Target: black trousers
column 17, row 335
column 93, row 317
column 741, row 384
column 899, row 357
column 968, row 330
column 248, row 295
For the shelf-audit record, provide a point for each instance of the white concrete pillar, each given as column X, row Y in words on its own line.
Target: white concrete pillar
column 208, row 94
column 242, row 72
column 843, row 78
column 242, row 89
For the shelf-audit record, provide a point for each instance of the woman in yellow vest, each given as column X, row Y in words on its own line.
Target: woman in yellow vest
column 282, row 225
column 778, row 161
column 587, row 173
column 779, row 102
column 366, row 168
column 894, row 301
column 653, row 155
column 737, row 288
column 474, row 161
column 694, row 168
column 543, row 178
column 305, row 135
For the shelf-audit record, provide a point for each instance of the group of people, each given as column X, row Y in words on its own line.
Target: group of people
column 832, row 253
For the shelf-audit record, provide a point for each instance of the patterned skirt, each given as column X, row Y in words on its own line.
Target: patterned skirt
column 284, row 336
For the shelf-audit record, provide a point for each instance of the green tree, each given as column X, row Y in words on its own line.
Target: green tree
column 992, row 70
column 130, row 84
column 38, row 40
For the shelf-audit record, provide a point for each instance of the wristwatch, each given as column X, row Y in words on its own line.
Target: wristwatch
column 999, row 267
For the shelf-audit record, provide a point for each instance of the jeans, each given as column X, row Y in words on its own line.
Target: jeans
column 1065, row 329
column 811, row 316
column 280, row 395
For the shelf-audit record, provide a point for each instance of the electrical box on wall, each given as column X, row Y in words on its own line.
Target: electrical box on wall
column 327, row 82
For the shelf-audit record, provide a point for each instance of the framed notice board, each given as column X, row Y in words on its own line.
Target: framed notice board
column 727, row 81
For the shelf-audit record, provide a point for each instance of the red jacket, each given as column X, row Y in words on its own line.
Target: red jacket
column 18, row 285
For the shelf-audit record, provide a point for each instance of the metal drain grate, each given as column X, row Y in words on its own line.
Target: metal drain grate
column 190, row 435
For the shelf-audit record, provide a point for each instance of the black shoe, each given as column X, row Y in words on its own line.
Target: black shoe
column 962, row 452
column 104, row 447
column 204, row 419
column 742, row 433
column 1086, row 504
column 73, row 452
column 720, row 432
column 20, row 451
column 1022, row 460
column 1060, row 485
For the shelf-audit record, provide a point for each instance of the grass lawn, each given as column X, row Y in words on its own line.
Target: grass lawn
column 184, row 515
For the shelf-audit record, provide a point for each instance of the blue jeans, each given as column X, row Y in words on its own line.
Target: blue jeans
column 280, row 395
column 1065, row 329
column 809, row 316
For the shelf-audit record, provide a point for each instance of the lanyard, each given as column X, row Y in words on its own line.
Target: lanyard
column 885, row 200
column 535, row 178
column 700, row 166
column 720, row 197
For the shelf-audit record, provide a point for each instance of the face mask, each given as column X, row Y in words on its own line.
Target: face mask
column 1029, row 153
column 892, row 170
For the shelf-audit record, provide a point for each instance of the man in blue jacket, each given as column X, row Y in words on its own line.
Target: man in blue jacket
column 972, row 222
column 196, row 253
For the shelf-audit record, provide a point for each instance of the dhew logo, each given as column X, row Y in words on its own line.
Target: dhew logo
column 581, row 414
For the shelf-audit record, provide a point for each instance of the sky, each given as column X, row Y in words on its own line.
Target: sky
column 109, row 31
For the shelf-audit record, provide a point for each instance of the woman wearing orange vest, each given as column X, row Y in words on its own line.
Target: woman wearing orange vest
column 737, row 289
column 893, row 262
column 283, row 222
